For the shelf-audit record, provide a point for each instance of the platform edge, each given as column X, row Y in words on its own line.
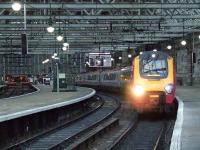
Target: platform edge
column 176, row 135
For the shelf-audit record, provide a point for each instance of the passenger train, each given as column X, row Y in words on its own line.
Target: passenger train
column 149, row 84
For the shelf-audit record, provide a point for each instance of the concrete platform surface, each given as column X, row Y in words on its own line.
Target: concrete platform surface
column 41, row 100
column 186, row 134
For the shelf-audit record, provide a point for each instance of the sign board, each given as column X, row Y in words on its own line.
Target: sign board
column 100, row 60
column 61, row 75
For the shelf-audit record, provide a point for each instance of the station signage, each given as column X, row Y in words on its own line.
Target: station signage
column 100, row 60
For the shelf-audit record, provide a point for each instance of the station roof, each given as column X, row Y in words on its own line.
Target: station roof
column 90, row 24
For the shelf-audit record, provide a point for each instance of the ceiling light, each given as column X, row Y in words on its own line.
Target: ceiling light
column 16, row 6
column 64, row 48
column 153, row 55
column 120, row 58
column 129, row 55
column 199, row 36
column 155, row 50
column 112, row 59
column 47, row 60
column 59, row 38
column 169, row 47
column 141, row 53
column 55, row 54
column 183, row 42
column 66, row 44
column 50, row 29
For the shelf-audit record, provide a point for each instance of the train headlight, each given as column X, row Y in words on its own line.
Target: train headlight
column 138, row 90
column 169, row 88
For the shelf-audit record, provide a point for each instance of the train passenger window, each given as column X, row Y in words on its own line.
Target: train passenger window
column 92, row 77
column 111, row 76
column 156, row 68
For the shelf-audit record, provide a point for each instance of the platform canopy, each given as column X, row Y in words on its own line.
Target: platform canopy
column 89, row 24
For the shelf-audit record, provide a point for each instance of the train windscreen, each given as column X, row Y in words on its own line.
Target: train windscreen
column 153, row 66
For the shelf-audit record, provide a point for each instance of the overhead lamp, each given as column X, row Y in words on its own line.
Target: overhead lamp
column 55, row 54
column 169, row 47
column 155, row 50
column 45, row 61
column 65, row 44
column 16, row 6
column 120, row 58
column 112, row 59
column 50, row 27
column 199, row 36
column 59, row 38
column 141, row 53
column 153, row 55
column 183, row 42
column 64, row 48
column 129, row 55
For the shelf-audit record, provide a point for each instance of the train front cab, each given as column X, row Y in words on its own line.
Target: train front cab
column 154, row 82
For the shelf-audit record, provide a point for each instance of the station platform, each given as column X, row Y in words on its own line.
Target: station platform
column 186, row 133
column 41, row 100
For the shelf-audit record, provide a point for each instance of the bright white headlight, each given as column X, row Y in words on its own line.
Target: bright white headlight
column 138, row 90
column 169, row 88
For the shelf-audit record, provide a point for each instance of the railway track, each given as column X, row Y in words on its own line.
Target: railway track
column 83, row 129
column 136, row 132
column 144, row 134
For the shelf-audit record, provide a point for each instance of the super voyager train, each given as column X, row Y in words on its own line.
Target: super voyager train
column 150, row 83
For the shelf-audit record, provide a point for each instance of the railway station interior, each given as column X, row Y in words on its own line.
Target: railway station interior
column 100, row 74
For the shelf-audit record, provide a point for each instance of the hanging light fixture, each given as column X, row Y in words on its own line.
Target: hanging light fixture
column 155, row 50
column 16, row 6
column 50, row 27
column 59, row 36
column 183, row 42
column 64, row 48
column 169, row 47
column 65, row 44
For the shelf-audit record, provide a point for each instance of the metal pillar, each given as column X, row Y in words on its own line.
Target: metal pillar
column 57, row 77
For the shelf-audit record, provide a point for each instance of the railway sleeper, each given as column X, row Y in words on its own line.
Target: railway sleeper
column 88, row 138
